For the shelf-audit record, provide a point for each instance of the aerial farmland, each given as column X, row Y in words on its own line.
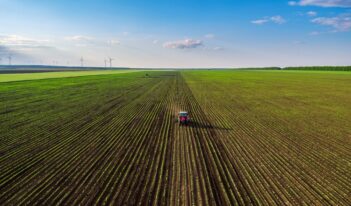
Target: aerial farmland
column 255, row 138
column 175, row 103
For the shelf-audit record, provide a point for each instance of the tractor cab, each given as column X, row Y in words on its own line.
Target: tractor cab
column 183, row 117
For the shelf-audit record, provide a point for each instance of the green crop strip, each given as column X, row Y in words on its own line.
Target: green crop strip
column 53, row 75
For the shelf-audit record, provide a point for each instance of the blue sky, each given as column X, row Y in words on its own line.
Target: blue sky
column 176, row 33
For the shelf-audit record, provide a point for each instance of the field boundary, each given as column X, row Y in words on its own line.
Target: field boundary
column 4, row 78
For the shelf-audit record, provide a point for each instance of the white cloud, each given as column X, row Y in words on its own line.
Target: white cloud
column 278, row 19
column 260, row 21
column 16, row 40
column 339, row 23
column 16, row 55
column 274, row 19
column 322, row 3
column 25, row 50
column 311, row 13
column 183, row 44
column 155, row 41
column 79, row 38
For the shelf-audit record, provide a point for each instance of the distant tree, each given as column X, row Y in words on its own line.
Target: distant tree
column 321, row 68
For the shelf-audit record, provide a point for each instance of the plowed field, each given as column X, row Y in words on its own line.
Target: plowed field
column 255, row 138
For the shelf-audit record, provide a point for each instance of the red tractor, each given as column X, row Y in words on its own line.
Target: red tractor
column 183, row 118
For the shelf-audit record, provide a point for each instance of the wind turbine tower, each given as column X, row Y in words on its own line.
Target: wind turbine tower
column 110, row 59
column 10, row 59
column 81, row 61
column 105, row 62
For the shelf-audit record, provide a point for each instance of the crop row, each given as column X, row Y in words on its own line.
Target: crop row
column 282, row 166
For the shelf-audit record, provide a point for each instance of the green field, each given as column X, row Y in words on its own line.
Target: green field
column 255, row 138
column 49, row 75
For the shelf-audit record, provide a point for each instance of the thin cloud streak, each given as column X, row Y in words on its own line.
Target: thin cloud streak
column 274, row 19
column 79, row 38
column 322, row 3
column 183, row 44
column 340, row 23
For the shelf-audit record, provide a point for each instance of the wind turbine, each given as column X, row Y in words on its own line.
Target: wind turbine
column 105, row 62
column 10, row 59
column 0, row 60
column 81, row 61
column 110, row 59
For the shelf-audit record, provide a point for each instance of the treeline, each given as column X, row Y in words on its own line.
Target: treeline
column 262, row 68
column 307, row 68
column 321, row 68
